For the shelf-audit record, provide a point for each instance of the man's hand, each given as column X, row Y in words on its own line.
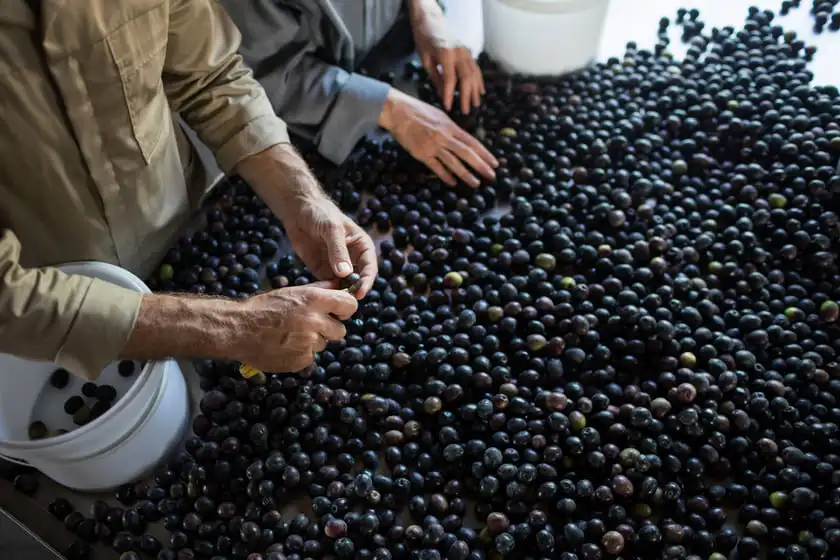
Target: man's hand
column 444, row 58
column 430, row 136
column 328, row 241
column 278, row 331
column 283, row 329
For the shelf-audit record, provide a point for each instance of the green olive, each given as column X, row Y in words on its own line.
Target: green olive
column 453, row 280
column 777, row 200
column 778, row 499
column 545, row 261
column 38, row 430
column 688, row 359
column 577, row 420
column 536, row 342
column 432, row 405
column 166, row 272
column 793, row 313
column 642, row 510
column 495, row 314
column 82, row 416
column 829, row 311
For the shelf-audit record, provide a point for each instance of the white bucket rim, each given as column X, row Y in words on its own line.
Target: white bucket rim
column 551, row 6
column 143, row 377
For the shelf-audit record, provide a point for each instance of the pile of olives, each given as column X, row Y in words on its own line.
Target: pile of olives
column 637, row 358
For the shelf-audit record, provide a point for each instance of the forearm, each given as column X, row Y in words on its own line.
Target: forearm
column 279, row 176
column 183, row 326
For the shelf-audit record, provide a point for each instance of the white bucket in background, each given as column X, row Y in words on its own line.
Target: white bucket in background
column 543, row 37
column 126, row 442
column 466, row 20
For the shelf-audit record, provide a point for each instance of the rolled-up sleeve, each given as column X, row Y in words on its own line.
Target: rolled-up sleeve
column 354, row 114
column 77, row 322
column 212, row 89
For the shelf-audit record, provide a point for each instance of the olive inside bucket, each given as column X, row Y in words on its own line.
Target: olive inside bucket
column 128, row 437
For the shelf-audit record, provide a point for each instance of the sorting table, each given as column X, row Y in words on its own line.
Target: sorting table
column 25, row 522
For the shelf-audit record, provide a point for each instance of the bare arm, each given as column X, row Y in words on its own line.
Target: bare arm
column 276, row 331
column 280, row 177
column 183, row 326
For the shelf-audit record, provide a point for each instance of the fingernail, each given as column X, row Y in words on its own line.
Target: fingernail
column 344, row 268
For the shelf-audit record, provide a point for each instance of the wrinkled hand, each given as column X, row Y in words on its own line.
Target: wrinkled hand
column 283, row 329
column 329, row 243
column 446, row 60
column 428, row 134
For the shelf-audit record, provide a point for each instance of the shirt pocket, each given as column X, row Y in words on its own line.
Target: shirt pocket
column 123, row 73
column 139, row 52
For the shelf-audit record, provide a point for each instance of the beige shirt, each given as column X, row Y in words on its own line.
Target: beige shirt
column 92, row 164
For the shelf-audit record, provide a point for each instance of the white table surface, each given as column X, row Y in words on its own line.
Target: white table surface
column 638, row 20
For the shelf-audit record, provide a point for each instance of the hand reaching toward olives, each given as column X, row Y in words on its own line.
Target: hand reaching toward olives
column 430, row 136
column 446, row 60
column 286, row 327
column 328, row 242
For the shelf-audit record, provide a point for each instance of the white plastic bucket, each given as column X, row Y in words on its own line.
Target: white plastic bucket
column 124, row 443
column 543, row 37
column 465, row 18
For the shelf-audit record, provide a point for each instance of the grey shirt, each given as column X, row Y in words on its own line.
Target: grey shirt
column 304, row 53
column 367, row 21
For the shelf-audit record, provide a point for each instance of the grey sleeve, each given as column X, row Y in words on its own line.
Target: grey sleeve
column 318, row 100
column 355, row 113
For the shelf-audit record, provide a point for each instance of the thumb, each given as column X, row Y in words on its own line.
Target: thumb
column 337, row 251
